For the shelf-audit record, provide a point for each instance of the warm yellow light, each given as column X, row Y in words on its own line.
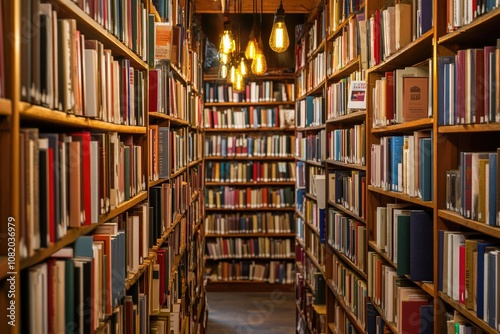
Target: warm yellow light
column 224, row 58
column 232, row 74
column 259, row 64
column 279, row 40
column 239, row 83
column 243, row 67
column 227, row 44
column 223, row 71
column 251, row 48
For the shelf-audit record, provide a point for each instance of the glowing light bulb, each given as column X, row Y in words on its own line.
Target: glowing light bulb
column 251, row 49
column 232, row 74
column 243, row 67
column 223, row 71
column 259, row 64
column 279, row 40
column 239, row 83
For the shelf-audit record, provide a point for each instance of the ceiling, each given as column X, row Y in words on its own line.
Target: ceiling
column 269, row 6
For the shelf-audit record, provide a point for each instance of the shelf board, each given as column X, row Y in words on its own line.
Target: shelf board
column 290, row 208
column 312, row 227
column 93, row 30
column 311, row 197
column 74, row 233
column 353, row 117
column 157, row 182
column 311, row 128
column 313, row 258
column 315, row 163
column 382, row 254
column 214, row 158
column 133, row 278
column 169, row 230
column 250, row 235
column 413, row 53
column 331, row 327
column 351, row 264
column 173, row 120
column 249, row 104
column 340, row 299
column 195, row 162
column 340, row 27
column 56, row 117
column 428, row 287
column 401, row 196
column 250, row 184
column 345, row 71
column 407, row 126
column 314, row 53
column 228, row 258
column 179, row 172
column 346, row 211
column 300, row 215
column 345, row 165
column 175, row 266
column 269, row 76
column 469, row 314
column 483, row 127
column 178, row 74
column 5, row 107
column 493, row 231
column 301, row 243
column 475, row 31
column 392, row 325
column 318, row 89
column 250, row 129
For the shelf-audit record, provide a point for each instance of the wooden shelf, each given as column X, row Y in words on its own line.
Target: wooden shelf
column 300, row 215
column 318, row 89
column 173, row 120
column 178, row 74
column 157, row 182
column 132, row 279
column 249, row 184
column 5, row 107
column 401, row 196
column 312, row 227
column 340, row 299
column 315, row 163
column 347, row 211
column 247, row 286
column 251, row 235
column 312, row 128
column 195, row 162
column 251, row 129
column 460, row 129
column 269, row 76
column 179, row 172
column 339, row 28
column 478, row 31
column 314, row 53
column 345, row 165
column 249, row 104
column 74, row 233
column 290, row 208
column 418, row 50
column 382, row 254
column 354, row 117
column 311, row 196
column 228, row 258
column 48, row 116
column 423, row 123
column 169, row 230
column 351, row 264
column 214, row 158
column 313, row 258
column 331, row 327
column 93, row 30
column 469, row 314
column 428, row 287
column 392, row 325
column 493, row 231
column 345, row 71
column 175, row 266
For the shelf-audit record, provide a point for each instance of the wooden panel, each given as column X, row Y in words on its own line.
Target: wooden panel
column 270, row 6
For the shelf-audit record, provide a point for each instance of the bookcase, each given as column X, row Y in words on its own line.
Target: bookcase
column 95, row 239
column 249, row 181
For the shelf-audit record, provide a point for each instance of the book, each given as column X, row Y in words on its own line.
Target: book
column 415, row 98
column 421, row 257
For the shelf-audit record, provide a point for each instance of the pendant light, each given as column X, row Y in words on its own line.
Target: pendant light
column 252, row 43
column 227, row 44
column 259, row 63
column 279, row 41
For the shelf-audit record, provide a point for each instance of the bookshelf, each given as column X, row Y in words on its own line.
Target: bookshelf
column 77, row 181
column 249, row 180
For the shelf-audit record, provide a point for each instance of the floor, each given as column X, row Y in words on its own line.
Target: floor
column 248, row 313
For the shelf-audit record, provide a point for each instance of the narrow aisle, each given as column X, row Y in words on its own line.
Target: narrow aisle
column 248, row 313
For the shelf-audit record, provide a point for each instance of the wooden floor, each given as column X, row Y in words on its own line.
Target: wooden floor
column 248, row 313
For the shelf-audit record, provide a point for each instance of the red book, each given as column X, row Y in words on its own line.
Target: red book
column 153, row 91
column 376, row 37
column 410, row 315
column 106, row 239
column 479, row 85
column 84, row 139
column 461, row 274
column 125, row 79
column 160, row 256
column 460, row 89
column 389, row 96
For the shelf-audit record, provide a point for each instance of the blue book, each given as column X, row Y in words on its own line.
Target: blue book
column 426, row 169
column 371, row 321
column 322, row 220
column 83, row 247
column 425, row 15
column 492, row 291
column 492, row 189
column 396, row 159
column 427, row 319
column 421, row 238
column 441, row 87
column 404, row 240
column 481, row 250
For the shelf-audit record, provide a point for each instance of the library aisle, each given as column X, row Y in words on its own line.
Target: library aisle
column 246, row 313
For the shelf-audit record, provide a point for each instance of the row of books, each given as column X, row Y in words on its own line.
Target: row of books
column 194, row 146
column 464, row 12
column 398, row 298
column 299, row 229
column 467, row 272
column 316, row 247
column 272, row 272
column 311, row 147
column 170, row 43
column 404, row 235
column 315, row 216
column 347, row 46
column 402, row 95
column 196, row 178
column 251, row 171
column 259, row 222
column 348, row 145
column 347, row 188
column 300, row 174
column 338, row 96
column 310, row 111
column 343, row 324
column 404, row 164
column 392, row 28
column 248, row 145
column 248, row 198
column 316, row 71
column 76, row 75
column 246, row 118
column 339, row 11
column 301, row 83
column 472, row 190
column 316, row 32
column 264, row 91
column 196, row 115
column 352, row 287
column 69, row 180
column 221, row 248
column 167, row 151
column 348, row 236
column 166, row 286
column 166, row 94
column 468, row 86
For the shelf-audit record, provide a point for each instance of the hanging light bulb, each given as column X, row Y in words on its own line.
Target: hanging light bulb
column 224, row 58
column 242, row 66
column 251, row 47
column 232, row 74
column 227, row 44
column 259, row 63
column 279, row 41
column 239, row 83
column 223, row 71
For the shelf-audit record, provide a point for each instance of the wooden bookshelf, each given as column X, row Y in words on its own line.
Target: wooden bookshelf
column 320, row 48
column 174, row 121
column 195, row 162
column 423, row 123
column 347, row 260
column 392, row 325
column 340, row 27
column 347, row 211
column 354, row 117
column 252, row 158
column 382, row 254
column 250, row 235
column 345, row 165
column 5, row 107
column 402, row 196
column 248, row 104
column 291, row 208
column 314, row 260
column 468, row 128
column 178, row 172
column 133, row 278
column 156, row 182
column 318, row 89
column 230, row 257
column 246, row 130
column 247, row 285
column 340, row 299
column 492, row 231
column 315, row 163
column 347, row 69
